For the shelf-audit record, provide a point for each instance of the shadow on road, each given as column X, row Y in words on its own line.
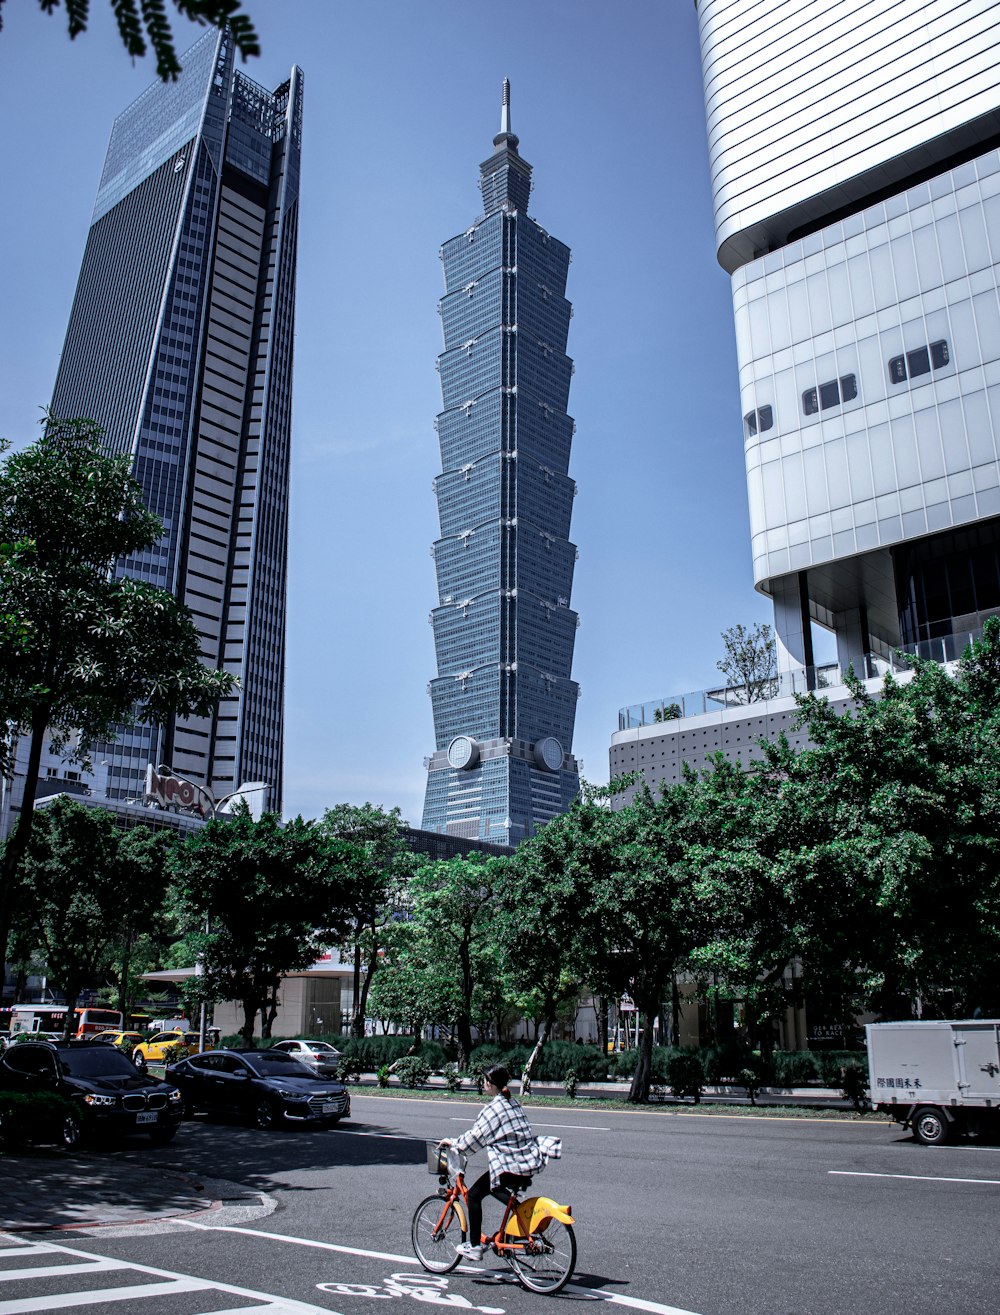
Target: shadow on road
column 226, row 1149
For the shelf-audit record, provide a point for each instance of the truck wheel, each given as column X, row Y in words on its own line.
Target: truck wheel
column 930, row 1126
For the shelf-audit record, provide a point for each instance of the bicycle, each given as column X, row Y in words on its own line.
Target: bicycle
column 535, row 1236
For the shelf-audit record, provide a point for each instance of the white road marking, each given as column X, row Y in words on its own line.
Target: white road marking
column 50, row 1271
column 913, row 1177
column 387, row 1136
column 590, row 1127
column 300, row 1241
column 614, row 1298
column 174, row 1283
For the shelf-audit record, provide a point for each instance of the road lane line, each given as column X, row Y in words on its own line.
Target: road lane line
column 916, row 1177
column 300, row 1241
column 387, row 1136
column 594, row 1294
column 588, row 1127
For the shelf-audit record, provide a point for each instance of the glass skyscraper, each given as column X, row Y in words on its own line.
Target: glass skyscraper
column 180, row 346
column 504, row 700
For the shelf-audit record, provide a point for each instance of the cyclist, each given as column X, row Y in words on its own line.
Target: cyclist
column 513, row 1149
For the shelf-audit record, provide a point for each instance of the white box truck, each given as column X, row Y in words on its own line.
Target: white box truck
column 940, row 1079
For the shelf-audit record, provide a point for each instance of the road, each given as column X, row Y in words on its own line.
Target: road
column 678, row 1214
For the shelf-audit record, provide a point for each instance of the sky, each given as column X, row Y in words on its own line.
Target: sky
column 402, row 100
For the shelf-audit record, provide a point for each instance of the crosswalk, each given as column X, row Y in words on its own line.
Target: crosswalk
column 43, row 1276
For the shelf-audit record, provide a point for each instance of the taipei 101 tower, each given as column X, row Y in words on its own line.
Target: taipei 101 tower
column 504, row 700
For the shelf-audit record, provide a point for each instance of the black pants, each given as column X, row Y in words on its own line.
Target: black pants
column 480, row 1190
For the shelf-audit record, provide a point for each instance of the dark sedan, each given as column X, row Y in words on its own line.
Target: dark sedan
column 107, row 1092
column 267, row 1086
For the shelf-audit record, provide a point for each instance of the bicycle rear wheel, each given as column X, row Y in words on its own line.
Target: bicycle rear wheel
column 436, row 1229
column 545, row 1261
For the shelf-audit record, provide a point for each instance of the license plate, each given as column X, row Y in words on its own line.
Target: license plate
column 150, row 1116
column 330, row 1108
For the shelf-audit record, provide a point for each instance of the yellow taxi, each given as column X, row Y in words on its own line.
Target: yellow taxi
column 154, row 1051
column 126, row 1041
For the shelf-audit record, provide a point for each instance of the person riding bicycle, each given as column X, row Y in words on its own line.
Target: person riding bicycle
column 514, row 1152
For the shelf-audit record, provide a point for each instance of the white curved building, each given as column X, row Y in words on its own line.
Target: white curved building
column 856, row 178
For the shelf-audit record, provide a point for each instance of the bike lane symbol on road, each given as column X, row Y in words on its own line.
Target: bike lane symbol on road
column 421, row 1287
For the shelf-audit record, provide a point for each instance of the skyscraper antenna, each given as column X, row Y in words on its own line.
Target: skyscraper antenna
column 505, row 107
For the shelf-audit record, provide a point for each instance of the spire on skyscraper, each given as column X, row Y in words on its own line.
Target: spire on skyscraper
column 505, row 136
column 505, row 179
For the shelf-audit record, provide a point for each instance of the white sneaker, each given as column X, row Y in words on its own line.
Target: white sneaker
column 470, row 1251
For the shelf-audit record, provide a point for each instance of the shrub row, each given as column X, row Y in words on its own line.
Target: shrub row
column 31, row 1117
column 719, row 1064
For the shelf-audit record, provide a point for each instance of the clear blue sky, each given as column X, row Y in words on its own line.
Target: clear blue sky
column 402, row 102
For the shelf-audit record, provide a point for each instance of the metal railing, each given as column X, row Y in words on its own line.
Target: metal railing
column 800, row 680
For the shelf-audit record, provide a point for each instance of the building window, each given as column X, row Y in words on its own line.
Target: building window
column 920, row 361
column 759, row 420
column 834, row 393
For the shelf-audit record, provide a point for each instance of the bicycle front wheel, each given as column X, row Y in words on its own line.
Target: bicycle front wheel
column 437, row 1228
column 544, row 1262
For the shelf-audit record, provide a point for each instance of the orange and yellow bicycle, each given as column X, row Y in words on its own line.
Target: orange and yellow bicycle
column 535, row 1236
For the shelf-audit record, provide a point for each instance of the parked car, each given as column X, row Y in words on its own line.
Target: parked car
column 269, row 1087
column 319, row 1055
column 155, row 1049
column 107, row 1093
column 124, row 1041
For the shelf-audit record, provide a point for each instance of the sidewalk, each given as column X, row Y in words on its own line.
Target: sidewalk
column 53, row 1190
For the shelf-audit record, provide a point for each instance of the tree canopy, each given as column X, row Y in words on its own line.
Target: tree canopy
column 145, row 21
column 257, row 900
column 83, row 880
column 86, row 649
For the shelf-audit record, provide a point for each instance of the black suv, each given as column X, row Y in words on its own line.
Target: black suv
column 269, row 1087
column 110, row 1096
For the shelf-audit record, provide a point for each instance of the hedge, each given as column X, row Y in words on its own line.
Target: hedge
column 36, row 1117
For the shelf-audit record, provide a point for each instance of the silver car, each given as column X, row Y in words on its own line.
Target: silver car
column 319, row 1055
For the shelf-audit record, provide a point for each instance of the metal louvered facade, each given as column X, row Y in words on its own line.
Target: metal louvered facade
column 180, row 346
column 504, row 700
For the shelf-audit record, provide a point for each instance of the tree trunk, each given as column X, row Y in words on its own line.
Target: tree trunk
column 675, row 1012
column 69, row 1027
column 249, row 1019
column 543, row 1036
column 17, row 841
column 358, row 1018
column 361, row 1014
column 268, row 1014
column 641, row 1078
column 463, row 1029
column 601, row 1011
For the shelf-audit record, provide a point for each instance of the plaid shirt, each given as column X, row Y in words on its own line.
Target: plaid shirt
column 505, row 1132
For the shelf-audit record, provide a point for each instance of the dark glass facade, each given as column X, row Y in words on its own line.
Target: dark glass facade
column 180, row 346
column 504, row 700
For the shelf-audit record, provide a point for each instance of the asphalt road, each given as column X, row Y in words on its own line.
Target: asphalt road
column 676, row 1213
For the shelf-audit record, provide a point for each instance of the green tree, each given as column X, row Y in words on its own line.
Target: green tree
column 412, row 987
column 385, row 863
column 142, row 21
column 535, row 923
column 83, row 880
column 257, row 900
column 749, row 661
column 91, row 651
column 444, row 952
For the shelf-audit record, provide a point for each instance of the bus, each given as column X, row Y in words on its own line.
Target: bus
column 52, row 1018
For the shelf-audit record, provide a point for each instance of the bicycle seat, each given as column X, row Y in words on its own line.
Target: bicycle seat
column 511, row 1182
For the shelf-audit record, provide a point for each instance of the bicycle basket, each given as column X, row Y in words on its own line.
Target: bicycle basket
column 437, row 1159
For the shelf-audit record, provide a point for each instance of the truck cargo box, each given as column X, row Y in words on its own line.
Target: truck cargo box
column 938, row 1077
